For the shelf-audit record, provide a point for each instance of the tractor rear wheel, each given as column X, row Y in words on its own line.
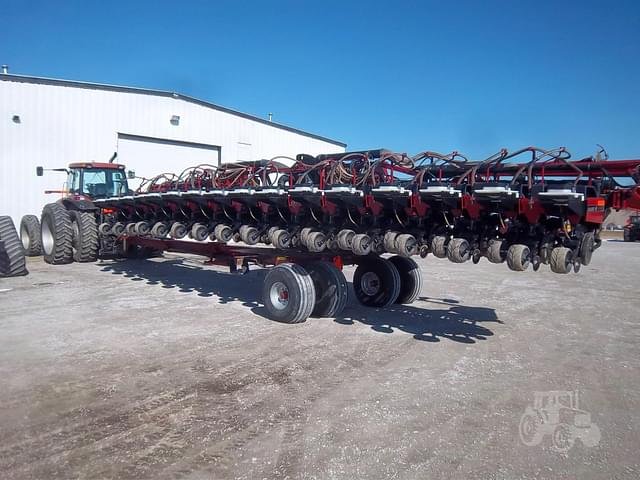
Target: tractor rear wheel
column 376, row 282
column 331, row 289
column 57, row 235
column 410, row 279
column 12, row 261
column 84, row 236
column 31, row 236
column 288, row 293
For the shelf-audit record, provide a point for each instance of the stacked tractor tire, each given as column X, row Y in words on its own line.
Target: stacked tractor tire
column 12, row 261
column 526, row 208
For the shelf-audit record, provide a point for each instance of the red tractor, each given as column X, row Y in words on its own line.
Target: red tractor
column 73, row 216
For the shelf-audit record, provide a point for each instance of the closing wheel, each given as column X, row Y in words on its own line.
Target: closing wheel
column 561, row 260
column 30, row 235
column 56, row 234
column 406, row 245
column 281, row 239
column 459, row 250
column 249, row 235
column 439, row 246
column 410, row 279
column 376, row 282
column 223, row 233
column 330, row 286
column 117, row 229
column 288, row 293
column 389, row 241
column 178, row 230
column 142, row 228
column 160, row 230
column 361, row 244
column 497, row 251
column 587, row 246
column 518, row 257
column 345, row 239
column 12, row 261
column 199, row 232
column 84, row 236
column 316, row 242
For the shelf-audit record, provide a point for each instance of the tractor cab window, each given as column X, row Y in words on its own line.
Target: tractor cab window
column 73, row 182
column 100, row 183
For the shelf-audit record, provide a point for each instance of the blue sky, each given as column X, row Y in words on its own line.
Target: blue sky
column 470, row 76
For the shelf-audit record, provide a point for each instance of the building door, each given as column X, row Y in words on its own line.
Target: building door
column 149, row 156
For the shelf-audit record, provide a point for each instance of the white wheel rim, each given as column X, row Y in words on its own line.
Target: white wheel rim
column 370, row 283
column 279, row 295
column 24, row 236
column 47, row 238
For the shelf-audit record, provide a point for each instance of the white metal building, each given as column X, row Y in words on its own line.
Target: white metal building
column 53, row 123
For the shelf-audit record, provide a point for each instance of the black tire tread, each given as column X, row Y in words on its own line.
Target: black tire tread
column 62, row 252
column 31, row 224
column 410, row 279
column 87, row 249
column 12, row 259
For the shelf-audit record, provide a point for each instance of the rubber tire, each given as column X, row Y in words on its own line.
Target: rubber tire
column 439, row 246
column 12, row 259
column 281, row 239
column 406, row 245
column 410, row 279
column 316, row 242
column 496, row 252
column 518, row 257
column 30, row 235
column 361, row 244
column 56, row 223
column 223, row 233
column 389, row 241
column 178, row 230
column 345, row 239
column 142, row 228
column 159, row 230
column 331, row 289
column 389, row 279
column 118, row 229
column 199, row 232
column 85, row 238
column 249, row 235
column 626, row 235
column 302, row 294
column 561, row 260
column 587, row 247
column 458, row 250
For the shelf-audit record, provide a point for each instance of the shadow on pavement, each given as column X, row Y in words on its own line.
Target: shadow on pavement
column 451, row 320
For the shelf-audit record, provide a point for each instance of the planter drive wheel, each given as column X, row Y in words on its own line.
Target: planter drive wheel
column 376, row 282
column 288, row 293
column 330, row 286
column 84, row 236
column 57, row 235
column 410, row 279
column 30, row 235
column 12, row 261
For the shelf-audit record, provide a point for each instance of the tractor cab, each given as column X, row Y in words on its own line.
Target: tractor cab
column 93, row 180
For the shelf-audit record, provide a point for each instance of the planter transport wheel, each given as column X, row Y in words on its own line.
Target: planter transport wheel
column 376, row 282
column 288, row 293
column 331, row 288
column 410, row 279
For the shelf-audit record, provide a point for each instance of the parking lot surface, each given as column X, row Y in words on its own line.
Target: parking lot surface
column 166, row 368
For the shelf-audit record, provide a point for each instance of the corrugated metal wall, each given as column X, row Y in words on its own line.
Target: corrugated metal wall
column 62, row 124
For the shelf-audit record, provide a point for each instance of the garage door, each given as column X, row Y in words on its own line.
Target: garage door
column 148, row 156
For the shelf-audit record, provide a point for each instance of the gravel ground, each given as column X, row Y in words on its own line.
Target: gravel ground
column 165, row 368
